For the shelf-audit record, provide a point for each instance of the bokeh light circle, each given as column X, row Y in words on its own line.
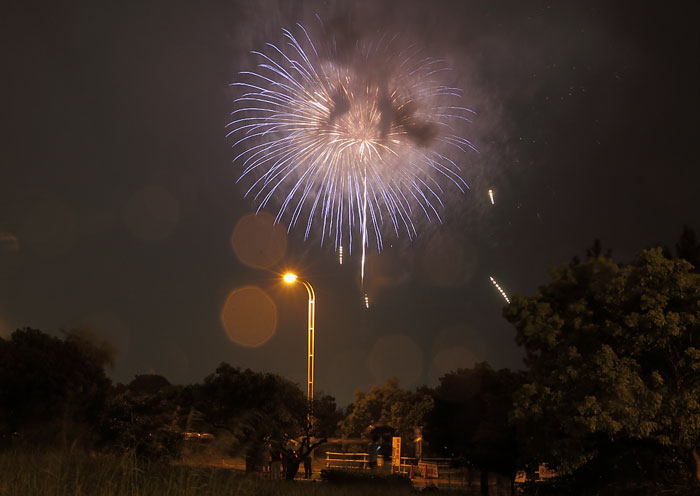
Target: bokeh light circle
column 249, row 316
column 257, row 241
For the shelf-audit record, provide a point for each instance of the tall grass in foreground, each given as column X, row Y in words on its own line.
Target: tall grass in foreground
column 78, row 474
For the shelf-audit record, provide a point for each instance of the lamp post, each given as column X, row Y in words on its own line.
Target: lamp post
column 290, row 278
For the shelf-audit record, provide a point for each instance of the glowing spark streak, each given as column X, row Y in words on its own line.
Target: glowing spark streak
column 491, row 196
column 340, row 254
column 317, row 135
column 366, row 301
column 364, row 230
column 503, row 293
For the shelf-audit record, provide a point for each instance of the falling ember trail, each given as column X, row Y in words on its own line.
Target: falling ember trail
column 340, row 255
column 503, row 293
column 491, row 196
column 364, row 229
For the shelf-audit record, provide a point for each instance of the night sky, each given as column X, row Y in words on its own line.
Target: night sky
column 118, row 195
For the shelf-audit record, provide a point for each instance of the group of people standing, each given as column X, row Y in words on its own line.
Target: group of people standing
column 284, row 462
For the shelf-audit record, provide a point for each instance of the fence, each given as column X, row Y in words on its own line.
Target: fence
column 356, row 461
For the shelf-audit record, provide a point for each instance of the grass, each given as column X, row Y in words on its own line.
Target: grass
column 79, row 474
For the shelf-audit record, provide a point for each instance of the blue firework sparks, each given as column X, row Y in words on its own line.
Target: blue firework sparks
column 354, row 144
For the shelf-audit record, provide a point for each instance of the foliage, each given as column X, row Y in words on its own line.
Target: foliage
column 142, row 419
column 632, row 466
column 327, row 415
column 638, row 467
column 613, row 354
column 387, row 405
column 91, row 344
column 51, row 390
column 254, row 408
column 688, row 248
column 470, row 418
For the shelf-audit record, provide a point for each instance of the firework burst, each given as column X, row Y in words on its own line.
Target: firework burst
column 356, row 144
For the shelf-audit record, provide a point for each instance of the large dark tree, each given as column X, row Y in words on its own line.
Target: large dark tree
column 387, row 405
column 255, row 409
column 51, row 390
column 688, row 248
column 613, row 353
column 142, row 419
column 326, row 416
column 470, row 418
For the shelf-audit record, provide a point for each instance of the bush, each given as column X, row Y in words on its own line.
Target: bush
column 336, row 476
column 640, row 467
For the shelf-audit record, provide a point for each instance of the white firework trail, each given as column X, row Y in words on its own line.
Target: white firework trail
column 362, row 142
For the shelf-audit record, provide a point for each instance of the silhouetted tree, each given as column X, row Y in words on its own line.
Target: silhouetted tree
column 596, row 250
column 688, row 248
column 254, row 408
column 92, row 345
column 470, row 418
column 143, row 419
column 326, row 415
column 613, row 353
column 292, row 457
column 387, row 405
column 146, row 384
column 51, row 390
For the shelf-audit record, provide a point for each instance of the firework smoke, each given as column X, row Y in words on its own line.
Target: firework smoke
column 352, row 143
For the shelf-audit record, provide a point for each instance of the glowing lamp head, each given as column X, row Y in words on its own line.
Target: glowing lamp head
column 289, row 278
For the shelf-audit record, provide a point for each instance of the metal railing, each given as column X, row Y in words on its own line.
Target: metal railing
column 357, row 461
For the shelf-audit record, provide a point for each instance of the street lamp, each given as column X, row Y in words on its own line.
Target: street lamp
column 290, row 278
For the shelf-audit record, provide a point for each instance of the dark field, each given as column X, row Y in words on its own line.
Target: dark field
column 77, row 474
